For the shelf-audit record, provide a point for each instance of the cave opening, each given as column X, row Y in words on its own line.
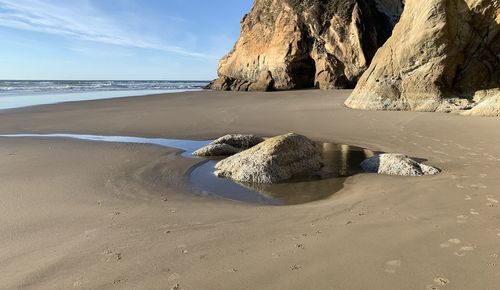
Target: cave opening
column 303, row 73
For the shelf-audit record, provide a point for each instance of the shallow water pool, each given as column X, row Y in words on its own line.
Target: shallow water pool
column 341, row 161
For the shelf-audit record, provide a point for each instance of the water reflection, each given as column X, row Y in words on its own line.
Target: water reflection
column 188, row 146
column 341, row 161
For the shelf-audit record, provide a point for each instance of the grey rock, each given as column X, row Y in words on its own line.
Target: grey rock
column 397, row 164
column 216, row 150
column 274, row 160
column 229, row 145
column 243, row 141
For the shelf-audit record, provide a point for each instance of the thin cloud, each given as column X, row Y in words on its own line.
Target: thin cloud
column 81, row 22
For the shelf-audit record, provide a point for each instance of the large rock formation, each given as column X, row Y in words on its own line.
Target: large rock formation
column 441, row 54
column 276, row 159
column 288, row 44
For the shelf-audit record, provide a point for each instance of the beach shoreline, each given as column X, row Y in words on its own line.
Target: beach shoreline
column 13, row 102
column 93, row 215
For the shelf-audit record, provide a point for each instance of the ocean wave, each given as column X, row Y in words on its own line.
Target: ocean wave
column 46, row 87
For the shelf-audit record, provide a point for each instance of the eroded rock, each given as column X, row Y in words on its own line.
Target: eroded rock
column 229, row 145
column 213, row 150
column 274, row 160
column 439, row 55
column 487, row 104
column 243, row 141
column 397, row 164
column 292, row 44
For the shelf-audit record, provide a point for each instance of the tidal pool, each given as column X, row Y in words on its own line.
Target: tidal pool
column 341, row 161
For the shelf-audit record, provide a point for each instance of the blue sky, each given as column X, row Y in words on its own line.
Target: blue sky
column 116, row 39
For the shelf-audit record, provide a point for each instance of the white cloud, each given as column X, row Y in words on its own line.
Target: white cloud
column 79, row 20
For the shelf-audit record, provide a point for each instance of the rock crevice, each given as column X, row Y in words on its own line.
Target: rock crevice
column 290, row 44
column 440, row 55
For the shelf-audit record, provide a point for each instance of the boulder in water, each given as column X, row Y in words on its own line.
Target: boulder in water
column 397, row 164
column 274, row 160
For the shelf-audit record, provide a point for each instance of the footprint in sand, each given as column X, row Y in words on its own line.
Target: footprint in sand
column 464, row 250
column 111, row 256
column 491, row 199
column 478, row 186
column 392, row 266
column 174, row 277
column 473, row 212
column 450, row 242
column 462, row 219
column 441, row 281
column 438, row 281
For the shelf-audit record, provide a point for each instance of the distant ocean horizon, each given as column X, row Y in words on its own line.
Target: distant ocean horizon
column 17, row 87
column 23, row 93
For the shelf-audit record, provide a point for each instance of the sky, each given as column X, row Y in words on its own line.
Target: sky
column 117, row 39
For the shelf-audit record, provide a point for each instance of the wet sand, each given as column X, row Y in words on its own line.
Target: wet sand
column 80, row 215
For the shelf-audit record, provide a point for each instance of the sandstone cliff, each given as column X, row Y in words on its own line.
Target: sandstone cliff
column 443, row 55
column 288, row 44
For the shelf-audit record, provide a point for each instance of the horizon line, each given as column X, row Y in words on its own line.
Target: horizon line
column 160, row 80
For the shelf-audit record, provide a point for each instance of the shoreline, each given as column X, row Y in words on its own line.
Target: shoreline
column 93, row 215
column 121, row 94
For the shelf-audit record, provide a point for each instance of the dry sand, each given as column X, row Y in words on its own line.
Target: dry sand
column 80, row 215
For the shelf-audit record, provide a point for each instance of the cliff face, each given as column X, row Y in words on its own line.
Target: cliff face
column 290, row 44
column 443, row 55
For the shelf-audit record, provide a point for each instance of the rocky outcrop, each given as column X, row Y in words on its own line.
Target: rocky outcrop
column 397, row 164
column 229, row 145
column 487, row 104
column 291, row 44
column 440, row 55
column 276, row 159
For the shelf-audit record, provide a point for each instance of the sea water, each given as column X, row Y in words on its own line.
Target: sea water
column 21, row 93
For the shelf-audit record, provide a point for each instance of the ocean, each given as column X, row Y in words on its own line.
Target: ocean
column 21, row 93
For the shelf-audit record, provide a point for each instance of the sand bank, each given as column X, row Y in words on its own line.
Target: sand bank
column 100, row 215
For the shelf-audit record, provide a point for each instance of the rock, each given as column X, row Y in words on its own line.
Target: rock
column 216, row 150
column 243, row 141
column 488, row 104
column 439, row 55
column 221, row 84
column 274, row 160
column 397, row 164
column 292, row 44
column 264, row 84
column 229, row 145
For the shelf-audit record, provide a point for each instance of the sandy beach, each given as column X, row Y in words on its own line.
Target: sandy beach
column 90, row 215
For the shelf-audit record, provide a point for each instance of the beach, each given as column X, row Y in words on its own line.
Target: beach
column 93, row 215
